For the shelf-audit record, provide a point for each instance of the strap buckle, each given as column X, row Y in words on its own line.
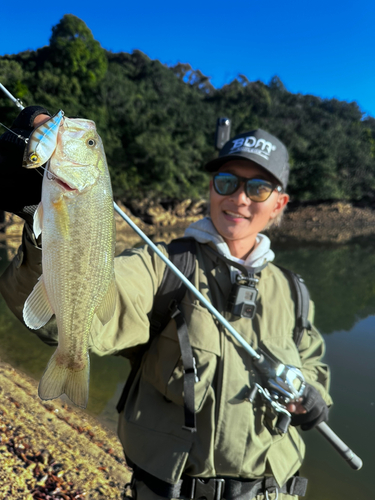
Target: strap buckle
column 276, row 497
column 270, row 486
column 207, row 489
column 194, row 370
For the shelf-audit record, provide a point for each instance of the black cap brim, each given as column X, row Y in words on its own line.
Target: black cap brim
column 214, row 165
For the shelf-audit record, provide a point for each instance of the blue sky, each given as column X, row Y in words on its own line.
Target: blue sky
column 325, row 48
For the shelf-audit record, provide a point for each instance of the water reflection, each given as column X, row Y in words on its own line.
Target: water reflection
column 341, row 280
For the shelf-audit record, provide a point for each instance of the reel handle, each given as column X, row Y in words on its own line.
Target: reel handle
column 283, row 422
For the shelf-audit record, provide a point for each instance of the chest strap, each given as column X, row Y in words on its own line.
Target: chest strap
column 218, row 488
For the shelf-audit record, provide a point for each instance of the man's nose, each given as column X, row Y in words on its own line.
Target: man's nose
column 240, row 196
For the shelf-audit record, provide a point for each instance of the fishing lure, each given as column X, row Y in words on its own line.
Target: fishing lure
column 42, row 142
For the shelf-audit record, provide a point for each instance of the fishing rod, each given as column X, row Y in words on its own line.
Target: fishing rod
column 15, row 101
column 283, row 383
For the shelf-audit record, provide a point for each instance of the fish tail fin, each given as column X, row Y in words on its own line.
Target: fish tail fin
column 59, row 379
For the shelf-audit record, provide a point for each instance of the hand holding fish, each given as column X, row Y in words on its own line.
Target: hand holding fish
column 20, row 187
column 39, row 119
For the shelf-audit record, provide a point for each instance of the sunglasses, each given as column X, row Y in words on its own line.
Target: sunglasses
column 256, row 189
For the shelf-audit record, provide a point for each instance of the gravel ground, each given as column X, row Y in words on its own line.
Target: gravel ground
column 48, row 450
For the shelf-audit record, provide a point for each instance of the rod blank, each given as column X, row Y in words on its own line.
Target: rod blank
column 17, row 102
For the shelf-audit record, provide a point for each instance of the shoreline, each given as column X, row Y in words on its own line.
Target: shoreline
column 328, row 222
column 337, row 222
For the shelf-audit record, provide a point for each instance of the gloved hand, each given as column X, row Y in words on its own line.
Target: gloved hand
column 316, row 410
column 20, row 187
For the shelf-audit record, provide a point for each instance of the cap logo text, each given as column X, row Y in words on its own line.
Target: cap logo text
column 250, row 144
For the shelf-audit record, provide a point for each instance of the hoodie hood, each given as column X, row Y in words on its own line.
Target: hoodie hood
column 205, row 232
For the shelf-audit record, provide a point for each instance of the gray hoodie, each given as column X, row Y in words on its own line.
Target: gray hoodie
column 204, row 231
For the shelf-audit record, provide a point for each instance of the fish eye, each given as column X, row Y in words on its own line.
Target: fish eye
column 33, row 157
column 91, row 142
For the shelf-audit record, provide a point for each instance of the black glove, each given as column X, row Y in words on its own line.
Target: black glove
column 317, row 410
column 20, row 187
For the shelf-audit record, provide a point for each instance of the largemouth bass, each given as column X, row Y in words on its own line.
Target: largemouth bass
column 76, row 219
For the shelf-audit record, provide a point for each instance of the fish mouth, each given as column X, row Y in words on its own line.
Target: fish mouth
column 51, row 176
column 64, row 185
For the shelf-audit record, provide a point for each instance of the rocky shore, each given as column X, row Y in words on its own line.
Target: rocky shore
column 335, row 222
column 327, row 221
column 50, row 450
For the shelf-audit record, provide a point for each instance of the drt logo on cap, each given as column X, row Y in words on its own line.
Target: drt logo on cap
column 253, row 145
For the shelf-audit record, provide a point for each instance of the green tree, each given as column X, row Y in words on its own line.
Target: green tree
column 158, row 122
column 75, row 50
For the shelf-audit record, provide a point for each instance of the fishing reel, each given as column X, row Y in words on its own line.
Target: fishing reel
column 282, row 384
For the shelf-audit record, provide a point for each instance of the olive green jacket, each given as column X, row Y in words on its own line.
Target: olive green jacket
column 234, row 437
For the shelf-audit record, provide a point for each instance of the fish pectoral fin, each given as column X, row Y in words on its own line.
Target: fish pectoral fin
column 37, row 309
column 38, row 220
column 108, row 305
column 59, row 379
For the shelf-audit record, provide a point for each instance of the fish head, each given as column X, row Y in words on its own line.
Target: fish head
column 42, row 142
column 79, row 158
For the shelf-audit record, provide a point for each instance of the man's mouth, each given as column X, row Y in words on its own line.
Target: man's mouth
column 235, row 215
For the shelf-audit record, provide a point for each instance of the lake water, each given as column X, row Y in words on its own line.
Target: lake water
column 341, row 280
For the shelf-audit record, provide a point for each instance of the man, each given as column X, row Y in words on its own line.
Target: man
column 235, row 451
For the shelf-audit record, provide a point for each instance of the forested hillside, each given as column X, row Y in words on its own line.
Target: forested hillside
column 158, row 122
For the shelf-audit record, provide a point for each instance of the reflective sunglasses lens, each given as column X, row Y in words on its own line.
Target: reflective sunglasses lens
column 225, row 184
column 258, row 189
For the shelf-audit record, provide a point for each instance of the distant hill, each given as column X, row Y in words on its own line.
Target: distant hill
column 158, row 122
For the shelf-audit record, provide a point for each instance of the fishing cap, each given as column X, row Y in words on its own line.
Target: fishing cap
column 260, row 147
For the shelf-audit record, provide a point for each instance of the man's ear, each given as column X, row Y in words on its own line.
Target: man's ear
column 280, row 204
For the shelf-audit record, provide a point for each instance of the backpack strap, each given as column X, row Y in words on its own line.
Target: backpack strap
column 301, row 298
column 182, row 253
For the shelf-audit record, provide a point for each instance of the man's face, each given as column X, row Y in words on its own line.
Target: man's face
column 235, row 216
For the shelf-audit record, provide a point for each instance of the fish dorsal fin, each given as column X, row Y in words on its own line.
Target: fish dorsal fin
column 37, row 309
column 108, row 305
column 38, row 220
